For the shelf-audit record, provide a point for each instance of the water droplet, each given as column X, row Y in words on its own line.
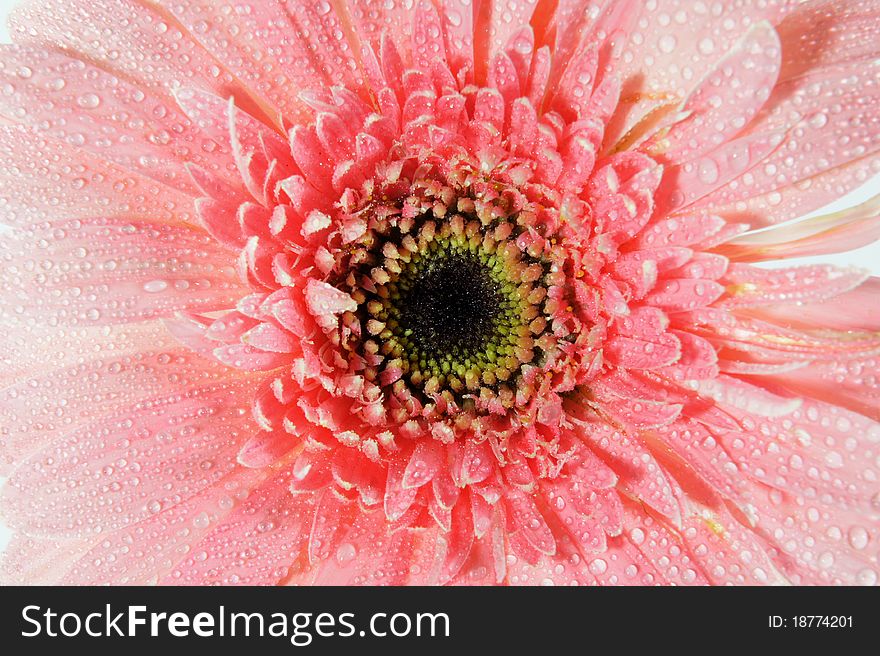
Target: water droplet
column 637, row 535
column 818, row 120
column 708, row 171
column 88, row 100
column 833, row 459
column 706, row 46
column 858, row 537
column 345, row 553
column 867, row 577
column 667, row 43
column 155, row 286
column 201, row 520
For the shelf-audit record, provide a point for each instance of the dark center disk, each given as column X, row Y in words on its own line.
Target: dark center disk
column 450, row 306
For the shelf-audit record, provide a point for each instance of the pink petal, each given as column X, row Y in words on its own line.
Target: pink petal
column 853, row 311
column 332, row 515
column 850, row 384
column 269, row 337
column 585, row 530
column 684, row 293
column 576, row 84
column 398, row 498
column 36, row 407
column 703, row 452
column 455, row 545
column 425, row 462
column 642, row 342
column 697, row 360
column 639, row 473
column 813, row 546
column 40, row 561
column 265, row 448
column 846, row 131
column 131, row 464
column 737, row 394
column 754, row 286
column 46, row 180
column 728, row 96
column 180, row 60
column 697, row 182
column 248, row 358
column 679, row 230
column 821, row 235
column 772, row 340
column 525, row 518
column 818, row 451
column 115, row 271
column 102, row 114
column 367, row 553
column 255, row 543
column 674, row 33
column 427, row 38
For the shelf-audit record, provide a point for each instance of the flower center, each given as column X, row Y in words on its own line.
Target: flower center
column 451, row 307
column 447, row 305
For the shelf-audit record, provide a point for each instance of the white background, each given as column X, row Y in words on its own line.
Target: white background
column 868, row 257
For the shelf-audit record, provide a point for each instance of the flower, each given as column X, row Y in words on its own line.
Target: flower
column 439, row 292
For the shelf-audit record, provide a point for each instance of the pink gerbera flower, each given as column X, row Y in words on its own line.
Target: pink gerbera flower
column 441, row 291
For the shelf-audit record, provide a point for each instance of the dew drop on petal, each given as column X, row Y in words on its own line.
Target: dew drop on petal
column 155, row 286
column 346, row 553
column 667, row 43
column 89, row 100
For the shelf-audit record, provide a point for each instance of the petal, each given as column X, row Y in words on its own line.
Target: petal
column 733, row 393
column 108, row 271
column 728, row 97
column 840, row 231
column 325, row 302
column 265, row 448
column 527, row 520
column 38, row 561
column 275, row 48
column 398, row 498
column 38, row 407
column 248, row 358
column 366, row 553
column 672, row 32
column 749, row 286
column 455, row 545
column 730, row 553
column 104, row 115
column 818, row 451
column 679, row 230
column 270, row 337
column 684, row 293
column 697, row 183
column 639, row 473
column 854, row 311
column 762, row 337
column 48, row 180
column 831, row 109
column 170, row 535
column 256, row 543
column 850, row 384
column 813, row 546
column 425, row 462
column 98, row 36
column 643, row 352
column 133, row 464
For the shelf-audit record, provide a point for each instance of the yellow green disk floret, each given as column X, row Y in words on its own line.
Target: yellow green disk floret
column 453, row 307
